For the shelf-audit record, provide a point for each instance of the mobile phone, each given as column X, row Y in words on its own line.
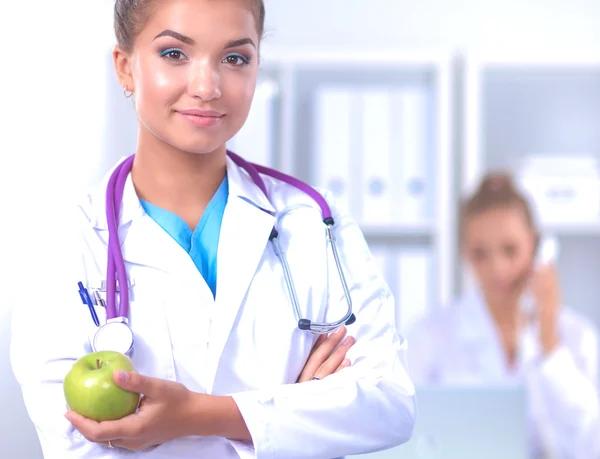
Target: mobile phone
column 546, row 253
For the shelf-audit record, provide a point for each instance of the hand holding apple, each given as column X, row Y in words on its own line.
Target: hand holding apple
column 91, row 391
column 167, row 410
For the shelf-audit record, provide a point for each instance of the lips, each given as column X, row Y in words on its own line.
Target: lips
column 199, row 112
column 202, row 118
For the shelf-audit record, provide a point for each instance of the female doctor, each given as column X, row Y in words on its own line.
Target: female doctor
column 217, row 345
column 488, row 337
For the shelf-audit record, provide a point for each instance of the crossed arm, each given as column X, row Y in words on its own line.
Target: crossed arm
column 169, row 410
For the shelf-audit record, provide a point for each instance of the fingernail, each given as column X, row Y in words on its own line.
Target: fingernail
column 349, row 340
column 346, row 362
column 120, row 376
column 339, row 331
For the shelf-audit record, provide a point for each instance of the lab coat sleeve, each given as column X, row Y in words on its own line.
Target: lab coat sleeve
column 367, row 407
column 48, row 334
column 567, row 412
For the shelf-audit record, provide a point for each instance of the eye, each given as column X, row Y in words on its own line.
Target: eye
column 172, row 54
column 236, row 60
column 478, row 255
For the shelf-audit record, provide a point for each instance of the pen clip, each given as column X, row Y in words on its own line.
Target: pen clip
column 99, row 299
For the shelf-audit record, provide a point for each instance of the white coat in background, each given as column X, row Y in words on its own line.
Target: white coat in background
column 459, row 345
column 245, row 343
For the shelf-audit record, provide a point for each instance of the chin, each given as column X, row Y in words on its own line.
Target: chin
column 197, row 146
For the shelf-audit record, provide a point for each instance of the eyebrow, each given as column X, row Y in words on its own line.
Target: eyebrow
column 240, row 42
column 177, row 36
column 190, row 41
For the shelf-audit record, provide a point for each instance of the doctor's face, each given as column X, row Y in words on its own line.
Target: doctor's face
column 499, row 246
column 193, row 70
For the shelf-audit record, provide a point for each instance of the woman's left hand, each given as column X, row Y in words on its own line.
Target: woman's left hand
column 162, row 415
column 546, row 289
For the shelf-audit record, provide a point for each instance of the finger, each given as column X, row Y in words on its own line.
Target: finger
column 345, row 363
column 311, row 364
column 316, row 359
column 131, row 445
column 101, row 432
column 137, row 383
column 335, row 360
column 318, row 343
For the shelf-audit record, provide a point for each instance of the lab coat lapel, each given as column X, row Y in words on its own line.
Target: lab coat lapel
column 247, row 224
column 479, row 334
column 143, row 242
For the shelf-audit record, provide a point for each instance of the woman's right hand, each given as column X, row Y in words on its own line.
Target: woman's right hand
column 324, row 360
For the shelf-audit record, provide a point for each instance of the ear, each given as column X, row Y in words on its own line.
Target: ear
column 122, row 62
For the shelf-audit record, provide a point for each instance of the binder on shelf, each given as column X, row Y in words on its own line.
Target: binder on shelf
column 376, row 170
column 413, row 288
column 380, row 254
column 256, row 140
column 414, row 183
column 334, row 136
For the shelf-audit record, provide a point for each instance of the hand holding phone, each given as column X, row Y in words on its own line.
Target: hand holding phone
column 546, row 254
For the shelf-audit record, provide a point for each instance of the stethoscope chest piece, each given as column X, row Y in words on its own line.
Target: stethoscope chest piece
column 115, row 335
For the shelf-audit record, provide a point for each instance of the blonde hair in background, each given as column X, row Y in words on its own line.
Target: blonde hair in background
column 496, row 191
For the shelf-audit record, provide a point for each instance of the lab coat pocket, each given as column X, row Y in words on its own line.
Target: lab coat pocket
column 152, row 354
column 272, row 350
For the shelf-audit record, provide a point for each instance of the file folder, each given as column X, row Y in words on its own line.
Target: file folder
column 256, row 140
column 413, row 285
column 335, row 108
column 377, row 173
column 414, row 154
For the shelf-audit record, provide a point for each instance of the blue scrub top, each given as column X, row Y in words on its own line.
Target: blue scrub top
column 203, row 242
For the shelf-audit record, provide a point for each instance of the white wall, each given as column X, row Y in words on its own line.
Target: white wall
column 435, row 23
column 58, row 97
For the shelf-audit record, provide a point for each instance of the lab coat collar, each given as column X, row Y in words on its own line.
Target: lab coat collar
column 479, row 333
column 247, row 223
column 240, row 186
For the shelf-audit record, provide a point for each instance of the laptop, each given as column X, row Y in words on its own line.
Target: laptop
column 466, row 423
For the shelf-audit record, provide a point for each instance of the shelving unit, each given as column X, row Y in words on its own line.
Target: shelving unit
column 298, row 78
column 522, row 105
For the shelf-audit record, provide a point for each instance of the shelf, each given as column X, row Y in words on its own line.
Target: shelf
column 330, row 57
column 400, row 229
column 417, row 234
column 572, row 229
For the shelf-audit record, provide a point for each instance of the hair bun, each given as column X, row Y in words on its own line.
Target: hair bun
column 496, row 182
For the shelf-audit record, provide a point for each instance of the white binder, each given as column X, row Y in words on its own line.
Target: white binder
column 415, row 186
column 413, row 285
column 381, row 258
column 255, row 141
column 335, row 108
column 376, row 169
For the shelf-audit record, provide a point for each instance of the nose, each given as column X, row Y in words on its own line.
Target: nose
column 500, row 269
column 205, row 81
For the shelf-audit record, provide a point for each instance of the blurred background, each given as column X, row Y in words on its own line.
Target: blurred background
column 460, row 87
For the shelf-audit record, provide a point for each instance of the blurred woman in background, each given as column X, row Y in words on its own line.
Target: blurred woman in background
column 489, row 337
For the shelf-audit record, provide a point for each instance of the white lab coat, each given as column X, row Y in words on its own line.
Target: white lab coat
column 244, row 343
column 460, row 345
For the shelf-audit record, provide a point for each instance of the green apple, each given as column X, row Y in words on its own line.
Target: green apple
column 91, row 391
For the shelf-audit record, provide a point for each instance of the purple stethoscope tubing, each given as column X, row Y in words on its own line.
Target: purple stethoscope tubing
column 116, row 273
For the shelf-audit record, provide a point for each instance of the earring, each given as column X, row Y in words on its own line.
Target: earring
column 127, row 93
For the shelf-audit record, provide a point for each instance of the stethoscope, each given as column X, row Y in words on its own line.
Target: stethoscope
column 116, row 334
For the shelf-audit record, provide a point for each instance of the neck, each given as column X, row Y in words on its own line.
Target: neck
column 504, row 311
column 180, row 182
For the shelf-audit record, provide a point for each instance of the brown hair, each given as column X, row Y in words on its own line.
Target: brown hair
column 130, row 16
column 496, row 190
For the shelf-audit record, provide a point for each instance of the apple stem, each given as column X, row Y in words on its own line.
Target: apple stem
column 97, row 363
